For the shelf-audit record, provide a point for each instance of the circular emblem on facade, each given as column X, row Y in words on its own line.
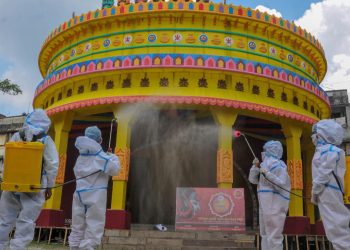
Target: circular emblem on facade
column 252, row 45
column 106, row 43
column 127, row 39
column 72, row 53
column 290, row 58
column 228, row 41
column 61, row 58
column 303, row 64
column 152, row 38
column 238, row 194
column 87, row 47
column 221, row 205
column 177, row 37
column 203, row 38
column 273, row 51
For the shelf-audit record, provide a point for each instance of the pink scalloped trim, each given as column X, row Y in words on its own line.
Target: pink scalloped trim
column 183, row 100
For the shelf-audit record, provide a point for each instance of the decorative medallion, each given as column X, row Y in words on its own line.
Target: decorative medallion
column 72, row 53
column 290, row 58
column 216, row 40
column 126, row 83
column 183, row 82
column 202, row 83
column 273, row 51
column 203, row 38
column 164, row 82
column 222, row 84
column 110, row 85
column 177, row 37
column 239, row 86
column 152, row 38
column 144, row 82
column 221, row 204
column 256, row 90
column 127, row 39
column 252, row 45
column 106, row 43
column 303, row 65
column 164, row 38
column 190, row 38
column 87, row 47
column 262, row 48
column 228, row 41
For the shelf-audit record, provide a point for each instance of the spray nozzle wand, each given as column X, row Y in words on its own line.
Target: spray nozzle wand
column 110, row 134
column 237, row 134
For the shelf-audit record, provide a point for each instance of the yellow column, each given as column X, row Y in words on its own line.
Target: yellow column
column 347, row 181
column 293, row 133
column 308, row 152
column 62, row 125
column 225, row 118
column 122, row 150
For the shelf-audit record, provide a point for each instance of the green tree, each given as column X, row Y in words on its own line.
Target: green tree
column 7, row 87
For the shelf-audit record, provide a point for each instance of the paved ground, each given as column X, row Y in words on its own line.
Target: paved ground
column 43, row 246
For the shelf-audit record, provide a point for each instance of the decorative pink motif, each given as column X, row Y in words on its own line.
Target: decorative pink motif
column 91, row 67
column 168, row 60
column 189, row 61
column 250, row 67
column 146, row 61
column 182, row 100
column 76, row 70
column 108, row 64
column 210, row 62
column 267, row 71
column 127, row 62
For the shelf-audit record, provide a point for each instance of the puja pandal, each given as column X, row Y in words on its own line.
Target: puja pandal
column 231, row 66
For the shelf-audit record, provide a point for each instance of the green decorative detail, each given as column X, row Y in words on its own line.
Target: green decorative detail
column 187, row 29
column 281, row 23
column 69, row 24
column 96, row 14
column 170, row 6
column 107, row 4
column 131, row 8
column 266, row 18
column 211, row 7
column 303, row 73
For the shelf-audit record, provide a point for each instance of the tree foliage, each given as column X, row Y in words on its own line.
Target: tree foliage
column 7, row 87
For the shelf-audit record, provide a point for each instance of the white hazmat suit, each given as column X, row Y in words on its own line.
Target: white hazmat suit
column 22, row 209
column 326, row 193
column 90, row 197
column 273, row 201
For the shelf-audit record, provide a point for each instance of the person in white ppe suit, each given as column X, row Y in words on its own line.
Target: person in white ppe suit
column 90, row 196
column 273, row 201
column 328, row 170
column 22, row 209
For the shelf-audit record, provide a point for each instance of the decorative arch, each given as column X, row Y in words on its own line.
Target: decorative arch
column 168, row 60
column 127, row 62
column 91, row 67
column 157, row 60
column 178, row 60
column 99, row 65
column 258, row 69
column 76, row 70
column 210, row 62
column 117, row 63
column 230, row 64
column 241, row 66
column 83, row 68
column 136, row 61
column 275, row 73
column 200, row 61
column 189, row 61
column 250, row 67
column 220, row 63
column 108, row 64
column 146, row 60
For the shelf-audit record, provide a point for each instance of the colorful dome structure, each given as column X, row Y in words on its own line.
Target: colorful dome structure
column 219, row 64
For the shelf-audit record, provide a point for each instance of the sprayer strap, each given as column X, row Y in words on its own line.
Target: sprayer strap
column 338, row 182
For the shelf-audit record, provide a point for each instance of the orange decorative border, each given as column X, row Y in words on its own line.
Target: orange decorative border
column 224, row 166
column 295, row 171
column 182, row 100
column 61, row 169
column 124, row 159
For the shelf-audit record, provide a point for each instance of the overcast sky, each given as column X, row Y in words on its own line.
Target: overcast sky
column 24, row 25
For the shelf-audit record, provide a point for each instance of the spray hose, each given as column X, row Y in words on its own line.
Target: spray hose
column 237, row 134
column 68, row 182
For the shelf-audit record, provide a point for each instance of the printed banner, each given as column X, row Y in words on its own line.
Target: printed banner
column 212, row 209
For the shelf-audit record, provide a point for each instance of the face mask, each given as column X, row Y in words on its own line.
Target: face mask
column 314, row 139
column 262, row 156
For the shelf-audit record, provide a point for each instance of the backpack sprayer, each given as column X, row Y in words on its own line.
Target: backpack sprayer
column 23, row 166
column 237, row 134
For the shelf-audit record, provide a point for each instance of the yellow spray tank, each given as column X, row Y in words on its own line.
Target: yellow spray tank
column 22, row 166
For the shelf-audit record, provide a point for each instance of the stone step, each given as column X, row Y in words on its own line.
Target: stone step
column 175, row 240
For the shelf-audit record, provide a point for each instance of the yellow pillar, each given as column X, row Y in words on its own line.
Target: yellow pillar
column 225, row 118
column 62, row 125
column 293, row 133
column 308, row 152
column 347, row 181
column 122, row 150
